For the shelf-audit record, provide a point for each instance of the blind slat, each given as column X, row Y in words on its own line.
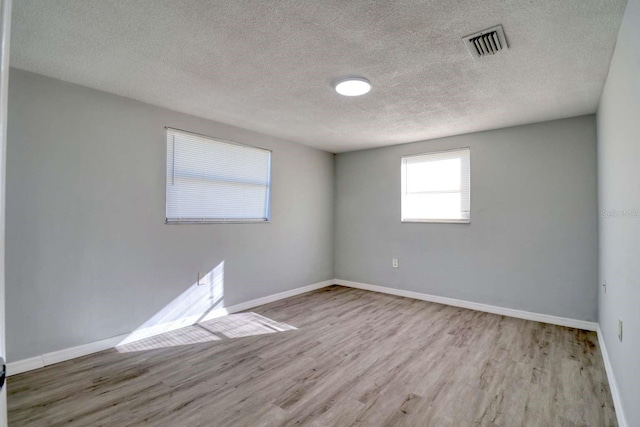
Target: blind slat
column 212, row 180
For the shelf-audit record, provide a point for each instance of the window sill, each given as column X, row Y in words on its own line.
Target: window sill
column 211, row 221
column 439, row 221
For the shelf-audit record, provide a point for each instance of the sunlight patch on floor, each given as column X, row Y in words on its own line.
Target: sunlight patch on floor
column 244, row 325
column 218, row 329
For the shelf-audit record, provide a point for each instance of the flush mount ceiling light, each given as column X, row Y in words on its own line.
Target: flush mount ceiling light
column 353, row 86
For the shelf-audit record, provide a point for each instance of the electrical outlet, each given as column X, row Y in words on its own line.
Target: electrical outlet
column 394, row 262
column 604, row 285
column 620, row 329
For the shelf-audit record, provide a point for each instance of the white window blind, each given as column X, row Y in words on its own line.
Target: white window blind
column 436, row 187
column 215, row 181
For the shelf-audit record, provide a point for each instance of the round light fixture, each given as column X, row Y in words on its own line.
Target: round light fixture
column 353, row 86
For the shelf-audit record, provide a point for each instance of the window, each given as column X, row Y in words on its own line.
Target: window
column 435, row 187
column 209, row 180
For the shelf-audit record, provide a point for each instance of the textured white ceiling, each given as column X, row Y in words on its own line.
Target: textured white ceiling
column 268, row 65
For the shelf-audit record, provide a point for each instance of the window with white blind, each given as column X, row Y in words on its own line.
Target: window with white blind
column 436, row 187
column 210, row 180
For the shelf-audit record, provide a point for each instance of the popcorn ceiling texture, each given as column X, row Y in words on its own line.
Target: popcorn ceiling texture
column 268, row 65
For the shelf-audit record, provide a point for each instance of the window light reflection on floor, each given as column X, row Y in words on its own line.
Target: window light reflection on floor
column 222, row 328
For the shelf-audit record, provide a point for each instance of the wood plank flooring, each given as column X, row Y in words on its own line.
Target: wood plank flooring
column 333, row 357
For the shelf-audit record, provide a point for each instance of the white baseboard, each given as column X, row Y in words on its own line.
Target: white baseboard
column 20, row 366
column 24, row 365
column 17, row 367
column 276, row 297
column 613, row 384
column 544, row 318
column 81, row 350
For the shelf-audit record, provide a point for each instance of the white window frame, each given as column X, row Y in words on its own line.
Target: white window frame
column 465, row 187
column 179, row 221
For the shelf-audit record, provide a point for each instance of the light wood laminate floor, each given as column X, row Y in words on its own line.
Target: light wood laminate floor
column 333, row 357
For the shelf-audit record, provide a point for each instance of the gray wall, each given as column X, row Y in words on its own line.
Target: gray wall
column 88, row 254
column 532, row 241
column 619, row 191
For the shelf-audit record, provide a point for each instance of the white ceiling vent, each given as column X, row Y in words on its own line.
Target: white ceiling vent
column 486, row 42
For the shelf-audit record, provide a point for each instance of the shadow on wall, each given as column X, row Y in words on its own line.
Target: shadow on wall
column 198, row 316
